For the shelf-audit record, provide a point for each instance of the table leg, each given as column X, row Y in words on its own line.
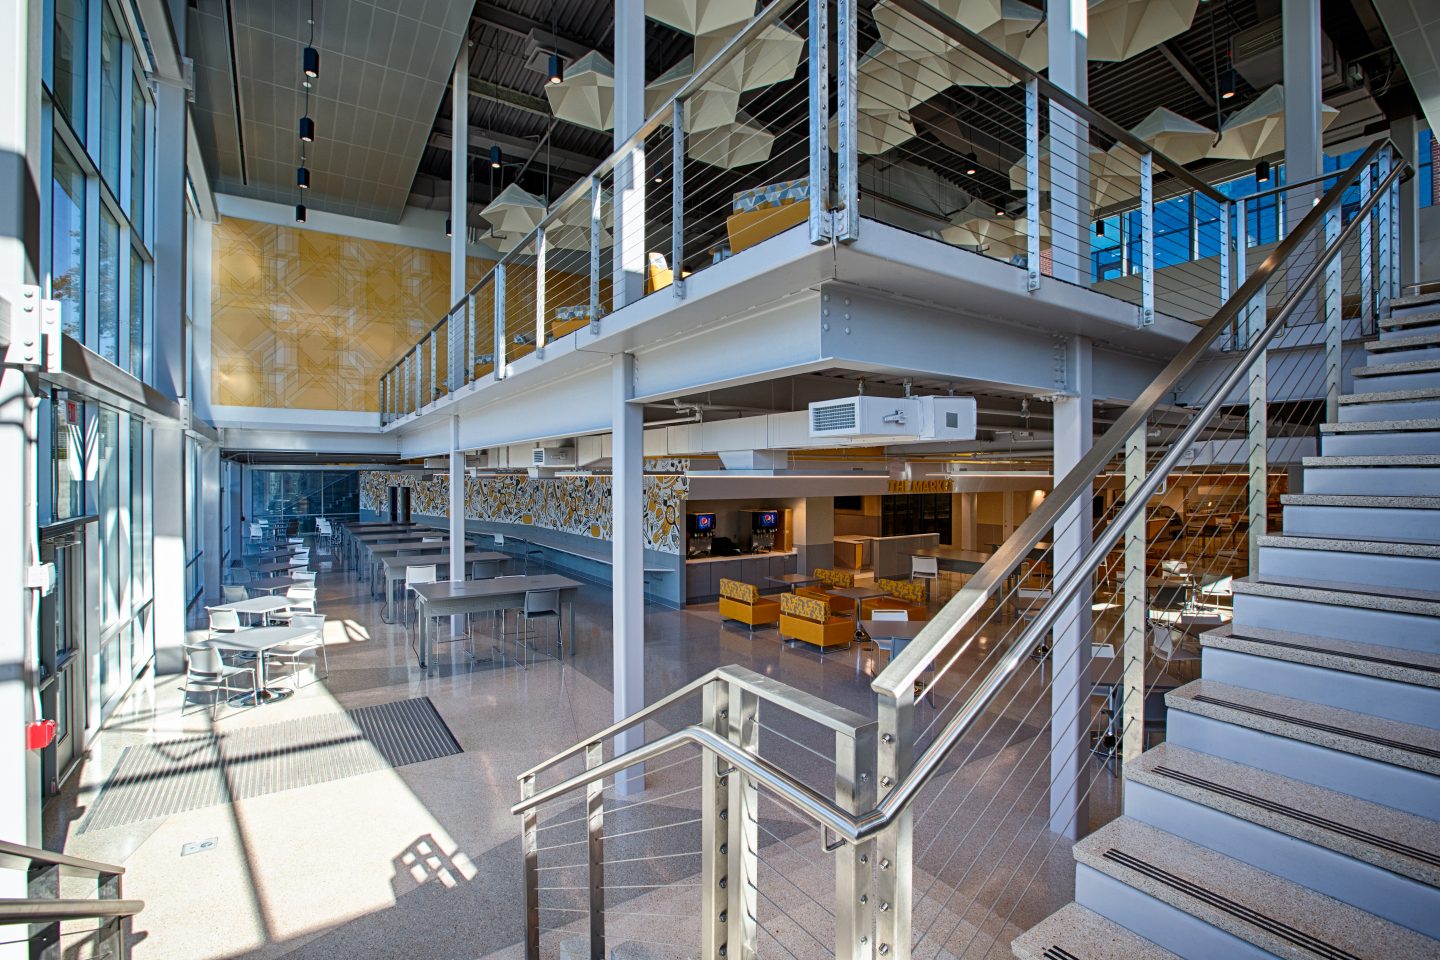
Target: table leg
column 860, row 635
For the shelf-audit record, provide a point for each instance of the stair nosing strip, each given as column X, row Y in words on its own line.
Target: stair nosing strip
column 1354, row 833
column 1234, row 908
column 1058, row 952
column 1424, row 668
column 1317, row 725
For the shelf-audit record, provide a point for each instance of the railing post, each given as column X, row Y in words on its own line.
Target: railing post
column 1132, row 720
column 714, row 840
column 470, row 338
column 819, row 105
column 846, row 226
column 1367, row 254
column 1386, row 247
column 894, row 846
column 530, row 853
column 1225, row 242
column 595, row 834
column 541, row 250
column 1394, row 207
column 434, row 366
column 855, row 793
column 500, row 355
column 1256, row 435
column 1032, row 184
column 1147, row 239
column 743, row 862
column 415, row 372
column 382, row 400
column 677, row 200
column 1334, row 320
column 596, row 220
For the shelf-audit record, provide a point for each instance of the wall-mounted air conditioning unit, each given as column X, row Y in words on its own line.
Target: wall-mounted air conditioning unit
column 911, row 418
column 553, row 458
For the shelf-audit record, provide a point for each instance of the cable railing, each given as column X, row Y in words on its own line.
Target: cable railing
column 62, row 894
column 1045, row 666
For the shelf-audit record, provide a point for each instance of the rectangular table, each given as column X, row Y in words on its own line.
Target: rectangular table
column 375, row 553
column 271, row 584
column 361, row 544
column 255, row 606
column 271, row 566
column 395, row 569
column 455, row 597
column 257, row 640
column 858, row 594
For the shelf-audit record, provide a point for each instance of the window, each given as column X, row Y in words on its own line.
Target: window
column 71, row 55
column 140, row 587
column 67, row 446
column 67, row 241
column 137, row 315
column 905, row 514
column 108, row 345
column 294, row 498
column 111, row 87
column 1425, row 169
column 107, row 498
column 139, row 126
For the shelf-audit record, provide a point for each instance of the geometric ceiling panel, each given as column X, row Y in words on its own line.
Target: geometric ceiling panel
column 384, row 67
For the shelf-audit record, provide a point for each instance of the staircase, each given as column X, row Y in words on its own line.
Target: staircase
column 1294, row 810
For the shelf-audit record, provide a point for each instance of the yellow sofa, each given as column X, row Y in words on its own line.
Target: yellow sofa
column 830, row 580
column 742, row 601
column 907, row 595
column 811, row 620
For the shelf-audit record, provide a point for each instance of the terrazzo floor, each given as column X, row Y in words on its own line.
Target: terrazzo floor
column 423, row 860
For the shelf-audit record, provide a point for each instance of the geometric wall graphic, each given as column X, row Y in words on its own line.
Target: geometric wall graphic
column 309, row 320
column 579, row 505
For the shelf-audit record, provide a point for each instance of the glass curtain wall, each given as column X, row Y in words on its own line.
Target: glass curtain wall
column 294, row 498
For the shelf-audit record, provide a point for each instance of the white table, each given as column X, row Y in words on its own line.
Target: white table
column 271, row 584
column 257, row 640
column 256, row 606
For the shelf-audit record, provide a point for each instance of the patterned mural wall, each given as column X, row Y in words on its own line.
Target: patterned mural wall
column 578, row 505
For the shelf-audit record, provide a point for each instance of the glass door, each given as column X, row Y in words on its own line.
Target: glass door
column 62, row 641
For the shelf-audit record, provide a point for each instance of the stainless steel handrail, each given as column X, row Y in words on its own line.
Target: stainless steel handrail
column 948, row 28
column 915, row 659
column 824, row 812
column 1308, row 181
column 59, row 911
column 15, row 856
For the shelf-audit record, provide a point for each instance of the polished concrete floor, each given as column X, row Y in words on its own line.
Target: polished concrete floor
column 424, row 860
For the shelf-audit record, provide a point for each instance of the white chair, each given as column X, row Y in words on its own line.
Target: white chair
column 415, row 575
column 205, row 669
column 224, row 621
column 290, row 654
column 234, row 592
column 1218, row 590
column 889, row 615
column 257, row 533
column 308, row 575
column 299, row 600
column 927, row 569
column 1167, row 644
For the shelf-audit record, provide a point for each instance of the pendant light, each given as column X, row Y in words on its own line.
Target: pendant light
column 302, row 176
column 1262, row 171
column 557, row 69
column 299, row 213
column 495, row 159
column 971, row 167
column 307, row 129
column 310, row 59
column 448, row 232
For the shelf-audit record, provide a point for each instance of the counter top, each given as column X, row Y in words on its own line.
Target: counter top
column 742, row 556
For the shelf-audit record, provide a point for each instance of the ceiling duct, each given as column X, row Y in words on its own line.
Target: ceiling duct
column 1258, row 56
column 882, row 418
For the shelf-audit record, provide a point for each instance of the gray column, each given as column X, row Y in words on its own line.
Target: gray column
column 459, row 200
column 1070, row 653
column 1069, row 143
column 1406, row 136
column 628, row 271
column 214, row 561
column 169, row 508
column 457, row 515
column 628, row 559
column 168, row 347
column 1301, row 51
column 20, row 786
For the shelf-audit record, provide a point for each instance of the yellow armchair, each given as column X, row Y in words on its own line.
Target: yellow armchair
column 831, row 580
column 811, row 620
column 906, row 595
column 742, row 602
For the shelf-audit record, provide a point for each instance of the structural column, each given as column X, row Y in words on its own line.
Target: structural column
column 1303, row 156
column 628, row 251
column 1069, row 143
column 628, row 560
column 456, row 339
column 457, row 516
column 1405, row 135
column 1070, row 650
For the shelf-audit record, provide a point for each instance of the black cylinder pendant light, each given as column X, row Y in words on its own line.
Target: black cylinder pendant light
column 448, row 232
column 307, row 129
column 495, row 157
column 311, row 62
column 299, row 213
column 1262, row 171
column 557, row 69
column 302, row 177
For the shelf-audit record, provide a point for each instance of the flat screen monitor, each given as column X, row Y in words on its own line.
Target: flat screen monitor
column 767, row 520
column 703, row 523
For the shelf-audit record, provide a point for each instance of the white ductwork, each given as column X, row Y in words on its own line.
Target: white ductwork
column 887, row 419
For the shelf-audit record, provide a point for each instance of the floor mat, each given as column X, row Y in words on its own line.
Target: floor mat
column 160, row 779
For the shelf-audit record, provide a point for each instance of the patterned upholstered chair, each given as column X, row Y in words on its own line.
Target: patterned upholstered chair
column 907, row 595
column 813, row 621
column 761, row 213
column 742, row 601
column 831, row 580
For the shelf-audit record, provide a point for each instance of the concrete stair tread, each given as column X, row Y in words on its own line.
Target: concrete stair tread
column 1399, row 366
column 1377, row 460
column 1274, row 914
column 1414, row 300
column 1391, row 396
column 1387, row 741
column 1385, row 547
column 1411, row 320
column 1358, row 500
column 1427, row 339
column 1382, row 426
column 1417, row 667
column 1080, row 932
column 1391, row 839
column 1424, row 603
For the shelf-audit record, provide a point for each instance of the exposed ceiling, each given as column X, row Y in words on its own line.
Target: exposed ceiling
column 384, row 67
column 1414, row 29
